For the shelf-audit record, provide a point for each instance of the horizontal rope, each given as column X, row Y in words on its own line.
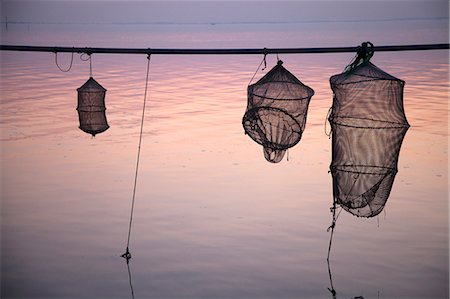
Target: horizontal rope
column 340, row 168
column 340, row 121
column 150, row 51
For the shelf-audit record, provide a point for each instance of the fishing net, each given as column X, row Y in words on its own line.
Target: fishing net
column 368, row 125
column 276, row 111
column 91, row 107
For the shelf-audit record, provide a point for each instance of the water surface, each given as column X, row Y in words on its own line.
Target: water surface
column 212, row 218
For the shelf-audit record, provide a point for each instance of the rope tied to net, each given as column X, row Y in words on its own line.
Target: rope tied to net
column 89, row 57
column 333, row 225
column 363, row 55
column 127, row 254
column 335, row 217
column 262, row 61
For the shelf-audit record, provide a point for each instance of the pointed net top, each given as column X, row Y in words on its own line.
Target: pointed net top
column 281, row 84
column 364, row 72
column 91, row 86
column 278, row 73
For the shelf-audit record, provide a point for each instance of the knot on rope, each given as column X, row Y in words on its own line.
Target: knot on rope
column 264, row 59
column 333, row 224
column 88, row 51
column 332, row 291
column 363, row 55
column 127, row 255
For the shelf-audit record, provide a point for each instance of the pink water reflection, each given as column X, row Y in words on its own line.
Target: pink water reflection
column 213, row 218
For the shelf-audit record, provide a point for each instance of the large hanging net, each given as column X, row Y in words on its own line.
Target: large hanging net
column 276, row 111
column 368, row 126
column 91, row 107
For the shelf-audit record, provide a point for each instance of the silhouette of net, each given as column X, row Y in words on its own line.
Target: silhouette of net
column 91, row 107
column 368, row 126
column 276, row 111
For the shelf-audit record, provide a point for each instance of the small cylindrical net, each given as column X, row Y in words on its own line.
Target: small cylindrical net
column 368, row 126
column 91, row 107
column 276, row 111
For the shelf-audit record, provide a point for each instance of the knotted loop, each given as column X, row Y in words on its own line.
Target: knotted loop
column 363, row 55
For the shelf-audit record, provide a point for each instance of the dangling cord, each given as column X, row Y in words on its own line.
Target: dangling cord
column 325, row 123
column 90, row 65
column 127, row 254
column 56, row 62
column 287, row 158
column 332, row 290
column 332, row 226
column 265, row 65
column 130, row 281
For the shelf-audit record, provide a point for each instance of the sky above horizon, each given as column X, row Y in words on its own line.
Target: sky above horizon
column 218, row 11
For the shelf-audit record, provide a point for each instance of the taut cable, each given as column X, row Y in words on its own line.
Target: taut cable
column 127, row 254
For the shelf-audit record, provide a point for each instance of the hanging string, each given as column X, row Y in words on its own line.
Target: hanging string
column 332, row 290
column 56, row 62
column 265, row 65
column 332, row 226
column 264, row 59
column 90, row 65
column 130, row 281
column 88, row 54
column 127, row 254
column 325, row 123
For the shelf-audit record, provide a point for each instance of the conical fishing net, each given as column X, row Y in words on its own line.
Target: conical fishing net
column 91, row 107
column 368, row 126
column 276, row 111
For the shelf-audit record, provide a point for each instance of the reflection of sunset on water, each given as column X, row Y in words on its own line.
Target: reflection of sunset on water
column 212, row 216
column 199, row 170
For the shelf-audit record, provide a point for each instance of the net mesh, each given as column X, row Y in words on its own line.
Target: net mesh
column 276, row 111
column 91, row 107
column 368, row 125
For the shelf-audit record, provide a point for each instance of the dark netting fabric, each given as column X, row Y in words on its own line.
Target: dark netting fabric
column 276, row 111
column 91, row 107
column 368, row 126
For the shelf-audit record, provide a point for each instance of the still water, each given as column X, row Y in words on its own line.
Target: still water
column 212, row 218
